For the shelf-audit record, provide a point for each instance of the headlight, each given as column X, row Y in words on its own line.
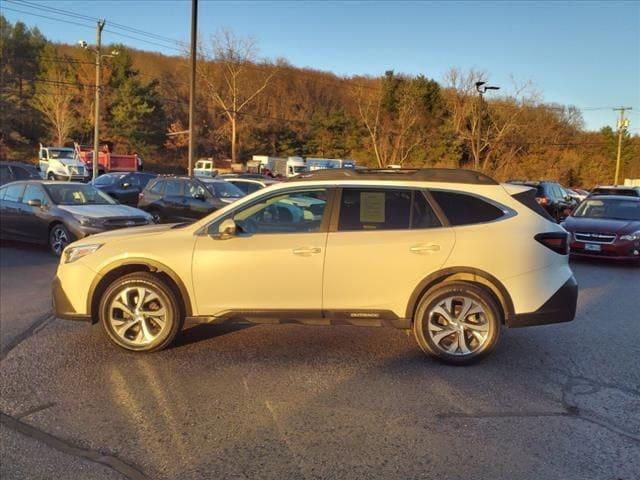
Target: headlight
column 74, row 253
column 90, row 221
column 631, row 236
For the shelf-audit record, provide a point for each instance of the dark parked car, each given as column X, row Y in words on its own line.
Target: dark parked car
column 250, row 184
column 12, row 171
column 185, row 199
column 606, row 226
column 125, row 187
column 58, row 213
column 553, row 198
column 626, row 191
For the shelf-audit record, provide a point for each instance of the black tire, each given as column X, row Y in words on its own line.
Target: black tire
column 59, row 237
column 51, row 176
column 467, row 332
column 167, row 299
column 155, row 213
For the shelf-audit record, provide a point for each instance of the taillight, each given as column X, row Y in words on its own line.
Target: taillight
column 556, row 241
column 542, row 200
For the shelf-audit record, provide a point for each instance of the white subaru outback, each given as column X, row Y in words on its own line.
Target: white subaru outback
column 451, row 254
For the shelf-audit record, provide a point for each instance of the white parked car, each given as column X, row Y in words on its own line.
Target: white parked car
column 450, row 254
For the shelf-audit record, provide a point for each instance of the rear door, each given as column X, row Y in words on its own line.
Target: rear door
column 173, row 200
column 384, row 242
column 10, row 223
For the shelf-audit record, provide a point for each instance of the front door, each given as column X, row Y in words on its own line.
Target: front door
column 273, row 265
column 34, row 221
column 386, row 242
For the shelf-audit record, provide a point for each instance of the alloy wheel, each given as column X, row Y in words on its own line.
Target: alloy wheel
column 458, row 325
column 138, row 315
column 59, row 240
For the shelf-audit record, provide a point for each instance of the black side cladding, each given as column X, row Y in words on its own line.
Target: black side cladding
column 528, row 199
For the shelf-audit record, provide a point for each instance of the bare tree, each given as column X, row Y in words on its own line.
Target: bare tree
column 395, row 134
column 234, row 88
column 486, row 126
column 54, row 98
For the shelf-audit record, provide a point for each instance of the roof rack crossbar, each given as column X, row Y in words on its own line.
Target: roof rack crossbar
column 444, row 175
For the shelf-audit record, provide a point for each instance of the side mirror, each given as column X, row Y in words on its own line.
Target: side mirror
column 227, row 229
column 126, row 185
column 199, row 196
column 34, row 202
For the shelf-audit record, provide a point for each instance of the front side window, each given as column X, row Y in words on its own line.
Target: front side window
column 385, row 209
column 25, row 173
column 5, row 174
column 463, row 209
column 194, row 190
column 291, row 212
column 34, row 192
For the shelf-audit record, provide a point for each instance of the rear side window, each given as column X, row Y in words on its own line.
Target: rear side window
column 528, row 199
column 463, row 209
column 21, row 173
column 5, row 174
column 371, row 209
column 14, row 192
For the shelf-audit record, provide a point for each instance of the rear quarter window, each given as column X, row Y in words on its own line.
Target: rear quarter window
column 464, row 209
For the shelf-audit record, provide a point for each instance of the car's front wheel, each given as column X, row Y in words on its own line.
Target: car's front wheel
column 458, row 323
column 59, row 238
column 140, row 312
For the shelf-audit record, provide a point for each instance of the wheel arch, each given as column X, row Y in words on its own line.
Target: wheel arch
column 465, row 274
column 131, row 265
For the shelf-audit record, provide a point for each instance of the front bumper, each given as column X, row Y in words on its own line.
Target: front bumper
column 561, row 307
column 71, row 178
column 619, row 250
column 62, row 306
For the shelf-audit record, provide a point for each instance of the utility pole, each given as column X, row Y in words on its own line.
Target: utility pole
column 623, row 124
column 192, row 85
column 96, row 129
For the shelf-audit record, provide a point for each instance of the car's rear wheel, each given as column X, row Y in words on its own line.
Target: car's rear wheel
column 140, row 312
column 458, row 323
column 157, row 218
column 59, row 238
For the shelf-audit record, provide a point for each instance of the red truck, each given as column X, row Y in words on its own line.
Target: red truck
column 107, row 161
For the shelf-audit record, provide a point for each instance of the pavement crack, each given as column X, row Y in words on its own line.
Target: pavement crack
column 36, row 409
column 65, row 446
column 35, row 327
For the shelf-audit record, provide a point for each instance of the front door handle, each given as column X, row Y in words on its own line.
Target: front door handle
column 424, row 248
column 306, row 250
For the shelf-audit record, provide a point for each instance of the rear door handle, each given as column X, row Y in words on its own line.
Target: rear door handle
column 424, row 248
column 306, row 250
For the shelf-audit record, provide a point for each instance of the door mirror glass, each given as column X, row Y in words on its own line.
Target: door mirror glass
column 34, row 202
column 227, row 229
column 126, row 185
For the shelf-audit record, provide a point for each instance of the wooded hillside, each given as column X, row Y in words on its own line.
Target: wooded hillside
column 248, row 106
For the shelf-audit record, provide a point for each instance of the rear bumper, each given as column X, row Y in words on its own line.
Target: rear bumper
column 62, row 306
column 561, row 307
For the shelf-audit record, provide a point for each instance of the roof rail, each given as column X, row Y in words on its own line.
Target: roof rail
column 445, row 175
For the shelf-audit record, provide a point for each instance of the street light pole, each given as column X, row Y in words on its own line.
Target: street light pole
column 481, row 88
column 96, row 128
column 192, row 85
column 622, row 126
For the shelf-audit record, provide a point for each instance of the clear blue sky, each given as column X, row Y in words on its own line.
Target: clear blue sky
column 585, row 54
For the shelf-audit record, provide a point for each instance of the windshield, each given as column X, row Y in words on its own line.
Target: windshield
column 109, row 178
column 299, row 168
column 72, row 194
column 614, row 209
column 224, row 190
column 64, row 154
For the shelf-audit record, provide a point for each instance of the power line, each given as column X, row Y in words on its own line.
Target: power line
column 47, row 17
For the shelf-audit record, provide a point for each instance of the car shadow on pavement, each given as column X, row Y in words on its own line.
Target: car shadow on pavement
column 200, row 332
column 24, row 254
column 605, row 262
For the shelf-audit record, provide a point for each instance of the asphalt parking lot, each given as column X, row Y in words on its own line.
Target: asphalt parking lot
column 552, row 402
